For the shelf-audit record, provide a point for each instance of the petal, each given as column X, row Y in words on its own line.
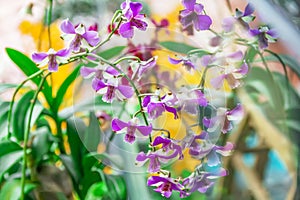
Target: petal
column 217, row 82
column 228, row 23
column 136, row 8
column 118, row 125
column 112, row 71
column 236, row 55
column 213, row 159
column 144, row 130
column 189, row 4
column 202, row 22
column 254, row 32
column 67, row 27
column 172, row 110
column 141, row 25
column 146, row 101
column 39, row 57
column 141, row 157
column 243, row 69
column 224, row 150
column 126, row 30
column 98, row 84
column 198, row 8
column 155, row 109
column 272, row 33
column 91, row 37
column 160, row 140
column 53, row 65
column 129, row 138
column 126, row 91
column 201, row 100
column 236, row 114
column 249, row 9
column 87, row 71
column 206, row 60
column 174, row 61
column 63, row 52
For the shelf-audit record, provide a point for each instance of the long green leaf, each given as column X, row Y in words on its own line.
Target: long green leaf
column 93, row 134
column 177, row 47
column 29, row 67
column 6, row 86
column 112, row 52
column 64, row 87
column 12, row 190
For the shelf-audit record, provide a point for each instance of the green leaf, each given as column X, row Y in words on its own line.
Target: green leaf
column 177, row 47
column 29, row 67
column 97, row 191
column 92, row 134
column 19, row 115
column 64, row 87
column 40, row 144
column 117, row 187
column 112, row 52
column 4, row 107
column 250, row 54
column 6, row 86
column 10, row 154
column 12, row 190
column 75, row 132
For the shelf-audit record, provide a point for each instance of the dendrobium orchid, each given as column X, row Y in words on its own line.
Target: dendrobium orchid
column 131, row 11
column 156, row 105
column 165, row 185
column 223, row 119
column 264, row 35
column 78, row 34
column 132, row 128
column 193, row 14
column 231, row 75
column 187, row 63
column 52, row 58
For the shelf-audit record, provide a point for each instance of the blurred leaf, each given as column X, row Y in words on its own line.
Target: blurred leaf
column 69, row 165
column 92, row 134
column 6, row 86
column 117, row 187
column 11, row 190
column 112, row 52
column 10, row 153
column 177, row 47
column 75, row 132
column 90, row 105
column 97, row 191
column 64, row 87
column 4, row 107
column 293, row 118
column 19, row 115
column 250, row 54
column 29, row 67
column 40, row 144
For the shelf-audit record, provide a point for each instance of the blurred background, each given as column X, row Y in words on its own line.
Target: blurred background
column 266, row 161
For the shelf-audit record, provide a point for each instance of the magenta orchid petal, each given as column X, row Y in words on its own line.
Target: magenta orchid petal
column 126, row 30
column 112, row 71
column 155, row 109
column 160, row 140
column 98, row 84
column 236, row 55
column 91, row 37
column 126, row 91
column 189, row 4
column 136, row 8
column 67, row 27
column 39, row 57
column 237, row 113
column 63, row 52
column 172, row 110
column 52, row 65
column 198, row 8
column 118, row 125
column 202, row 22
column 217, row 82
column 146, row 101
column 174, row 61
column 144, row 130
column 228, row 23
column 249, row 10
column 86, row 71
column 243, row 69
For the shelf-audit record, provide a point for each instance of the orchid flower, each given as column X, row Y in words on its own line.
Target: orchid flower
column 165, row 185
column 132, row 129
column 264, row 35
column 52, row 58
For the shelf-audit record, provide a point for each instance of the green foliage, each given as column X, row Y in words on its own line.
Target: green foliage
column 29, row 68
column 177, row 47
column 112, row 52
column 12, row 190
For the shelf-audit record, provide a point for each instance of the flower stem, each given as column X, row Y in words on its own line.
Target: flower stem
column 26, row 135
column 14, row 96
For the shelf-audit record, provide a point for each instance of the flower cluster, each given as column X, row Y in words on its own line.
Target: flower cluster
column 123, row 80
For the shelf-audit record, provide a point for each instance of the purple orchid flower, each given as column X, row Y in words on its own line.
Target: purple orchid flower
column 243, row 17
column 165, row 185
column 187, row 63
column 264, row 35
column 223, row 119
column 201, row 180
column 231, row 75
column 193, row 14
column 78, row 34
column 140, row 68
column 212, row 157
column 194, row 142
column 131, row 11
column 156, row 106
column 132, row 129
column 52, row 57
column 191, row 100
column 169, row 150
